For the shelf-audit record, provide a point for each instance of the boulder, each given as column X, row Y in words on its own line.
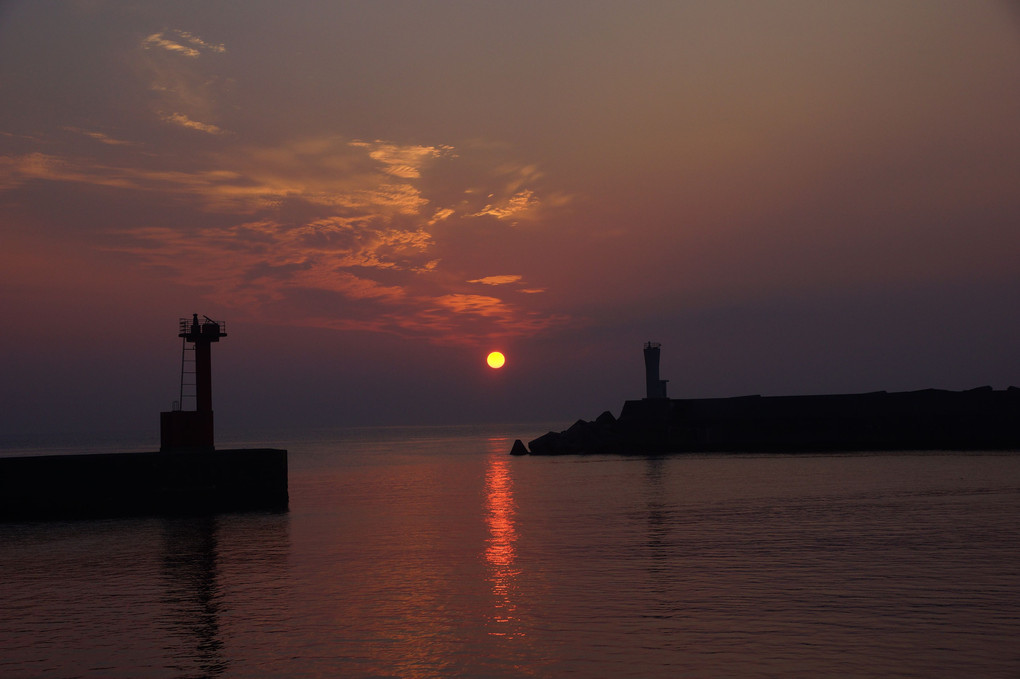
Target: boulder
column 546, row 444
column 519, row 448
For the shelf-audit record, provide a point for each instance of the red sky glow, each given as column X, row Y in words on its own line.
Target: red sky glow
column 790, row 196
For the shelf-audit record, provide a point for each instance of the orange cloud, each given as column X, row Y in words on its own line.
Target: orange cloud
column 185, row 121
column 405, row 162
column 344, row 233
column 99, row 136
column 481, row 305
column 186, row 44
column 497, row 280
column 516, row 205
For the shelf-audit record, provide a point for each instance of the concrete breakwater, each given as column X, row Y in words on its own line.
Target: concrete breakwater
column 125, row 484
column 930, row 419
column 187, row 475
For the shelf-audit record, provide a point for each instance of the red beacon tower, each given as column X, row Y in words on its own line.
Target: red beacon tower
column 192, row 430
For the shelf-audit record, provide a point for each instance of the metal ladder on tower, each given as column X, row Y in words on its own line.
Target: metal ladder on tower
column 189, row 388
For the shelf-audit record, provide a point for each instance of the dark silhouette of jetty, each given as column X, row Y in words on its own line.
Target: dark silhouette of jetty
column 931, row 419
column 187, row 476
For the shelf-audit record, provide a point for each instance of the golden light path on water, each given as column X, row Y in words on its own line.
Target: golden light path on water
column 500, row 553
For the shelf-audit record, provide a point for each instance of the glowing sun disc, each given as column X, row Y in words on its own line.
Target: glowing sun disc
column 495, row 360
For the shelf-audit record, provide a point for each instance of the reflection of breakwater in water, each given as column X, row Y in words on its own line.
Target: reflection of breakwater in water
column 500, row 553
column 143, row 597
column 203, row 559
column 193, row 595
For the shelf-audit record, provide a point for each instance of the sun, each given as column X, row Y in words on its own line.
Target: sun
column 495, row 359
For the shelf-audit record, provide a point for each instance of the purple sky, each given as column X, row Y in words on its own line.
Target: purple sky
column 792, row 197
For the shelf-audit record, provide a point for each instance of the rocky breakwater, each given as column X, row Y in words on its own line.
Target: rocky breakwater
column 598, row 436
column 641, row 428
column 929, row 419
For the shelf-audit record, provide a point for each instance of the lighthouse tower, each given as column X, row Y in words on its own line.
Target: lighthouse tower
column 655, row 387
column 192, row 430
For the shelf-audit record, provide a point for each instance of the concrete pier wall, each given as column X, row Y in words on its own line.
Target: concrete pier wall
column 124, row 484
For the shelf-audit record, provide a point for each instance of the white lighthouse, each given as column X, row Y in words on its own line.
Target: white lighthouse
column 655, row 387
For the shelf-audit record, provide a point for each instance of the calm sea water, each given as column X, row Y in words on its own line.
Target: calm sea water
column 433, row 553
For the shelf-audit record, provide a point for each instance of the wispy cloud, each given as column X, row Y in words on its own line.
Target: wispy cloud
column 99, row 136
column 481, row 305
column 181, row 42
column 255, row 262
column 511, row 196
column 185, row 90
column 333, row 179
column 344, row 233
column 18, row 170
column 405, row 162
column 497, row 280
column 512, row 207
column 185, row 121
column 361, row 243
column 207, row 185
column 328, row 274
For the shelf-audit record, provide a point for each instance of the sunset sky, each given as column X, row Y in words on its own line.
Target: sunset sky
column 791, row 196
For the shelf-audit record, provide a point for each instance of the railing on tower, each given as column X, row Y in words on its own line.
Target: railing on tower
column 187, row 323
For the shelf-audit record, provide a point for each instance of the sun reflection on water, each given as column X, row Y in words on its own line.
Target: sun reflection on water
column 500, row 550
